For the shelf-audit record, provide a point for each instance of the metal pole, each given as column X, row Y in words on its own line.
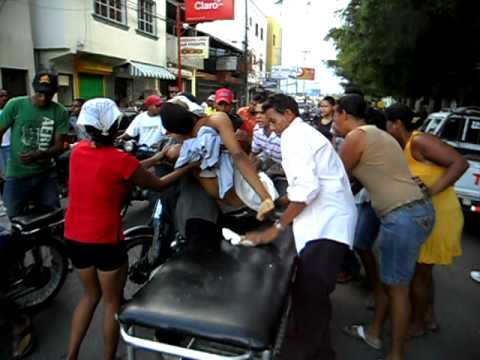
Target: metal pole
column 246, row 53
column 179, row 48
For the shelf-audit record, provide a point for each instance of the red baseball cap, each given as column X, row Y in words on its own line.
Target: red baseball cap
column 152, row 100
column 225, row 95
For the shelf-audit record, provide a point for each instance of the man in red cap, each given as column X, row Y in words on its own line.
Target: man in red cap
column 224, row 100
column 224, row 103
column 147, row 125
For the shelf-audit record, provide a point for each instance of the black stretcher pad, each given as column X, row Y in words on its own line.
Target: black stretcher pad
column 233, row 296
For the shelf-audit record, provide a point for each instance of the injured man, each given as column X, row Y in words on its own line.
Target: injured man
column 227, row 179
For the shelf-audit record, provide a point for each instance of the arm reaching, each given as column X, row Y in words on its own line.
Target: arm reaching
column 432, row 149
column 223, row 125
column 146, row 179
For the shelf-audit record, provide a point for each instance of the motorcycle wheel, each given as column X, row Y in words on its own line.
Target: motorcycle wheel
column 38, row 275
column 139, row 267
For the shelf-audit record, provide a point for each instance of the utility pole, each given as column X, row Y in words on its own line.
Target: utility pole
column 179, row 31
column 246, row 64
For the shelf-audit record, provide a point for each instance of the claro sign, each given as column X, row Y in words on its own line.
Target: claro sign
column 208, row 10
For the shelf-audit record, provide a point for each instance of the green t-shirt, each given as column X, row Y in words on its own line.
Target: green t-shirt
column 33, row 128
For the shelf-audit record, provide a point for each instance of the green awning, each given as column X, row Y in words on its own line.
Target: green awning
column 150, row 71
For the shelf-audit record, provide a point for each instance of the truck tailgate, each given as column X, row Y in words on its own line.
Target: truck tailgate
column 468, row 186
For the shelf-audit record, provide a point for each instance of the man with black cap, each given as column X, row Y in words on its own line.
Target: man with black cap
column 38, row 130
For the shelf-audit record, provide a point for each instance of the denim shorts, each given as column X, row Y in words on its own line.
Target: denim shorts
column 402, row 233
column 367, row 228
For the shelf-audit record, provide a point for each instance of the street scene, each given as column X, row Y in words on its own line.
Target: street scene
column 239, row 179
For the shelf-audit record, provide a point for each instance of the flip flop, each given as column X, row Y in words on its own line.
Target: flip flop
column 18, row 337
column 358, row 332
column 433, row 327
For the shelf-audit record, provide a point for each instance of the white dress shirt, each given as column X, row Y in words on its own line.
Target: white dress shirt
column 316, row 176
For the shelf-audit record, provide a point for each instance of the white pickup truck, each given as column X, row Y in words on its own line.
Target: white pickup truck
column 461, row 129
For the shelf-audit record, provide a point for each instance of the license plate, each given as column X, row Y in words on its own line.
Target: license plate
column 467, row 202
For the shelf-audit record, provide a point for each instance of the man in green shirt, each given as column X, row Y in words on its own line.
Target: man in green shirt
column 38, row 129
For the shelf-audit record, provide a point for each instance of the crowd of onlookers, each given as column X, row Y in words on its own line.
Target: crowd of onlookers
column 359, row 178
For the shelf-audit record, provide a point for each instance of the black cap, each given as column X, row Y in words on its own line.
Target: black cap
column 45, row 82
column 176, row 119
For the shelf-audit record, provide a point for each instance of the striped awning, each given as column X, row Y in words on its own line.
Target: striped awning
column 150, row 71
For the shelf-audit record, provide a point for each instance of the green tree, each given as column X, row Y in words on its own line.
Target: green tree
column 408, row 48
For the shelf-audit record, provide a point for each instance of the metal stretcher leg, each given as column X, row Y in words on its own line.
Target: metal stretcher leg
column 131, row 349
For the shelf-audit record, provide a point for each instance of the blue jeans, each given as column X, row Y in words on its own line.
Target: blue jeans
column 402, row 233
column 367, row 228
column 4, row 156
column 41, row 190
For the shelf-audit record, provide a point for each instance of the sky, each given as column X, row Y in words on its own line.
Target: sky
column 305, row 24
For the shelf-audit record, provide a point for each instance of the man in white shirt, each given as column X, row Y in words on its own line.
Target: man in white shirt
column 322, row 209
column 147, row 125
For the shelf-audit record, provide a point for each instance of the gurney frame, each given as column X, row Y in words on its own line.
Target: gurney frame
column 133, row 342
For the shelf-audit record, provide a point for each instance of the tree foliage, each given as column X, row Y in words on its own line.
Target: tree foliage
column 408, row 48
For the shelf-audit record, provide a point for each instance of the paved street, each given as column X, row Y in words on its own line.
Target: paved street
column 458, row 300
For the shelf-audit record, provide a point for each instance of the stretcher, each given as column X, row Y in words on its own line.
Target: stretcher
column 228, row 304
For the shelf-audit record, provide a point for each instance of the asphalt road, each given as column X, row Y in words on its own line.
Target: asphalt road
column 457, row 304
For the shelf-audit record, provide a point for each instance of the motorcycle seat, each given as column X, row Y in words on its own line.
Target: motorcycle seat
column 37, row 220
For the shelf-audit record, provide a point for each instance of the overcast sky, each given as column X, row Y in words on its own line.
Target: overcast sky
column 304, row 28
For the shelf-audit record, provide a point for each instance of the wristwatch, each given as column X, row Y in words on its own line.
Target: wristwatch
column 279, row 226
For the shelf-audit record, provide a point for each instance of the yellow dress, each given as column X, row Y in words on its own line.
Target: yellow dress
column 443, row 243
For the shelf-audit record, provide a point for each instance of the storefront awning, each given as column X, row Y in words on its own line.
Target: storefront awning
column 150, row 71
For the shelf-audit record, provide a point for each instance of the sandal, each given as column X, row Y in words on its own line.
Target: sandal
column 22, row 349
column 358, row 332
column 433, row 327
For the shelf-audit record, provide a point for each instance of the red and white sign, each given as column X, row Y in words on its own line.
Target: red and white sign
column 306, row 74
column 209, row 10
column 477, row 179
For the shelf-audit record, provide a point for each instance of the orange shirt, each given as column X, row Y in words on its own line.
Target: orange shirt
column 249, row 121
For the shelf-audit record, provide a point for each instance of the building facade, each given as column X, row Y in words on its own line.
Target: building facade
column 17, row 64
column 274, row 44
column 233, row 32
column 112, row 48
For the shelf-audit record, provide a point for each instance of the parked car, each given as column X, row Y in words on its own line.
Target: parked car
column 461, row 129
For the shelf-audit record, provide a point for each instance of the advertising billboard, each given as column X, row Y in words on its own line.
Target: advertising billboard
column 195, row 47
column 292, row 72
column 209, row 10
column 306, row 74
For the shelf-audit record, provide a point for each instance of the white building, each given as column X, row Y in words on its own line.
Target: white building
column 233, row 32
column 17, row 66
column 114, row 48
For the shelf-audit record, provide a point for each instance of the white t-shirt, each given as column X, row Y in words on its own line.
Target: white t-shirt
column 149, row 129
column 316, row 176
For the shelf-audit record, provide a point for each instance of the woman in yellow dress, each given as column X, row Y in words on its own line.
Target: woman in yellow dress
column 436, row 166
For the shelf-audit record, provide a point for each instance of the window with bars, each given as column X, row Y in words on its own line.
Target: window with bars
column 147, row 16
column 112, row 10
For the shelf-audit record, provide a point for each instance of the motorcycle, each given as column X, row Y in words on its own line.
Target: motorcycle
column 38, row 261
column 149, row 246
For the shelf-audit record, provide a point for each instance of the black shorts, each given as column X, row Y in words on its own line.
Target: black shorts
column 104, row 257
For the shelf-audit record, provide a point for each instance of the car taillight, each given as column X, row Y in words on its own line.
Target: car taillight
column 475, row 209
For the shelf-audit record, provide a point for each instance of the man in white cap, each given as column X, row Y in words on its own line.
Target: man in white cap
column 209, row 105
